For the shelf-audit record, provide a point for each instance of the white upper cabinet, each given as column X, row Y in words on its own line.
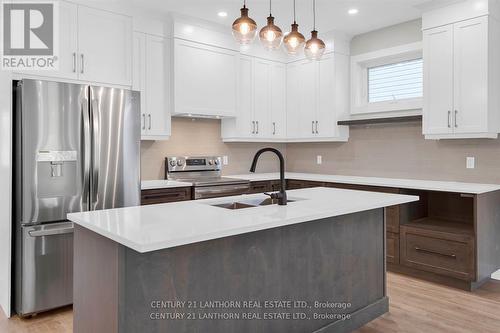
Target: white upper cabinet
column 326, row 108
column 205, row 80
column 316, row 97
column 150, row 63
column 278, row 101
column 261, row 112
column 471, row 76
column 68, row 44
column 438, row 80
column 461, row 78
column 94, row 46
column 105, row 46
column 262, row 98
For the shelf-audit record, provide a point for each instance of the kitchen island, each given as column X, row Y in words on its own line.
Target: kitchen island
column 236, row 264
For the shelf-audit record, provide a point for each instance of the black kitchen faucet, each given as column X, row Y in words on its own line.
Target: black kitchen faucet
column 281, row 195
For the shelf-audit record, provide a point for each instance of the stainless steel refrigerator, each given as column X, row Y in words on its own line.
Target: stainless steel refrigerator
column 77, row 148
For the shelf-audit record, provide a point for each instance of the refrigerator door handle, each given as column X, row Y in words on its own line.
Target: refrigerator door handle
column 95, row 151
column 53, row 232
column 86, row 151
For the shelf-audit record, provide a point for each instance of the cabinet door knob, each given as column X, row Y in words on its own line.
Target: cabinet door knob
column 317, row 127
column 149, row 116
column 449, row 121
column 312, row 127
column 253, row 127
column 274, row 128
column 456, row 113
column 257, row 127
column 82, row 65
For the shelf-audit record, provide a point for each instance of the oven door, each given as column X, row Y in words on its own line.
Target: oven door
column 217, row 191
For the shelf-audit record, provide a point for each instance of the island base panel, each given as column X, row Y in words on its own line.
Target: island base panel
column 338, row 260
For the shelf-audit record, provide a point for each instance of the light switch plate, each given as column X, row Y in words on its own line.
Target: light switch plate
column 225, row 160
column 470, row 163
column 319, row 159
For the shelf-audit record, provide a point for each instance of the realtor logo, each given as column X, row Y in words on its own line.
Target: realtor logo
column 29, row 36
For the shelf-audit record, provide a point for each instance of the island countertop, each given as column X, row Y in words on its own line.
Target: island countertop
column 156, row 227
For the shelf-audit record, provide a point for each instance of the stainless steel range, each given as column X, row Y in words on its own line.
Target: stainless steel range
column 205, row 173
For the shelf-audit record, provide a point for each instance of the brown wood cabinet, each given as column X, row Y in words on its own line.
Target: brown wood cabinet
column 392, row 255
column 293, row 184
column 445, row 253
column 260, row 187
column 165, row 195
column 448, row 238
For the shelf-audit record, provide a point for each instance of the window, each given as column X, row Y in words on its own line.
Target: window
column 388, row 80
column 396, row 81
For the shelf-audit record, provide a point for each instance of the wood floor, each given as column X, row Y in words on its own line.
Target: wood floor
column 416, row 306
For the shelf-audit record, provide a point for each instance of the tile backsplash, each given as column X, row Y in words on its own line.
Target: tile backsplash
column 399, row 151
column 202, row 137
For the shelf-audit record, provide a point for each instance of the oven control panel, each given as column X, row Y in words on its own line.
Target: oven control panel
column 190, row 163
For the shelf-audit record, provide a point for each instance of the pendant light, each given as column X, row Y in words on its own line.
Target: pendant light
column 271, row 35
column 315, row 47
column 244, row 28
column 294, row 41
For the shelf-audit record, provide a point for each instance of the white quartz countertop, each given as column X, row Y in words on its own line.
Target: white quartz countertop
column 158, row 184
column 157, row 227
column 429, row 185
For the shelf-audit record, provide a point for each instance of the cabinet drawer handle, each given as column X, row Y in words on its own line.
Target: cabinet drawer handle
column 449, row 121
column 454, row 256
column 456, row 113
column 162, row 195
column 149, row 116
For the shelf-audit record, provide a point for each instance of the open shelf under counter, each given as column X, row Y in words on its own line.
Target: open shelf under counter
column 442, row 225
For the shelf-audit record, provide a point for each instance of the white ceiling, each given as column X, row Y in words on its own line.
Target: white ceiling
column 331, row 14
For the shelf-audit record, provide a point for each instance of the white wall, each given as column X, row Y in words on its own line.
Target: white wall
column 5, row 189
column 399, row 34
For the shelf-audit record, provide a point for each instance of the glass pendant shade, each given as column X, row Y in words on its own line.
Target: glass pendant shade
column 315, row 47
column 271, row 35
column 244, row 28
column 294, row 41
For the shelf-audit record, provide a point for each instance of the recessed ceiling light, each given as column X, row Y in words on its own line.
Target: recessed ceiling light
column 222, row 14
column 353, row 11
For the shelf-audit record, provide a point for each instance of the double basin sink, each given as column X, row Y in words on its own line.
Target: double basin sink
column 249, row 203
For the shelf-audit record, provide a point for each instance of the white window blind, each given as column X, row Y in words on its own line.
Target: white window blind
column 396, row 81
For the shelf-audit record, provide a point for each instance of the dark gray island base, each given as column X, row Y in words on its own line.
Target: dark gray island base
column 332, row 261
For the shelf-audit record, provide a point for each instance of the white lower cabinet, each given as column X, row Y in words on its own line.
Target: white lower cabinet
column 461, row 79
column 262, row 98
column 150, row 78
column 316, row 97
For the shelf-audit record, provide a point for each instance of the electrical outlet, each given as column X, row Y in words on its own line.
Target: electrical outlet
column 470, row 163
column 319, row 159
column 225, row 160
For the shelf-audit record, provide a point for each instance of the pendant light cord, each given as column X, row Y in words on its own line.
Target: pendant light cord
column 314, row 14
column 270, row 7
column 244, row 3
column 294, row 14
